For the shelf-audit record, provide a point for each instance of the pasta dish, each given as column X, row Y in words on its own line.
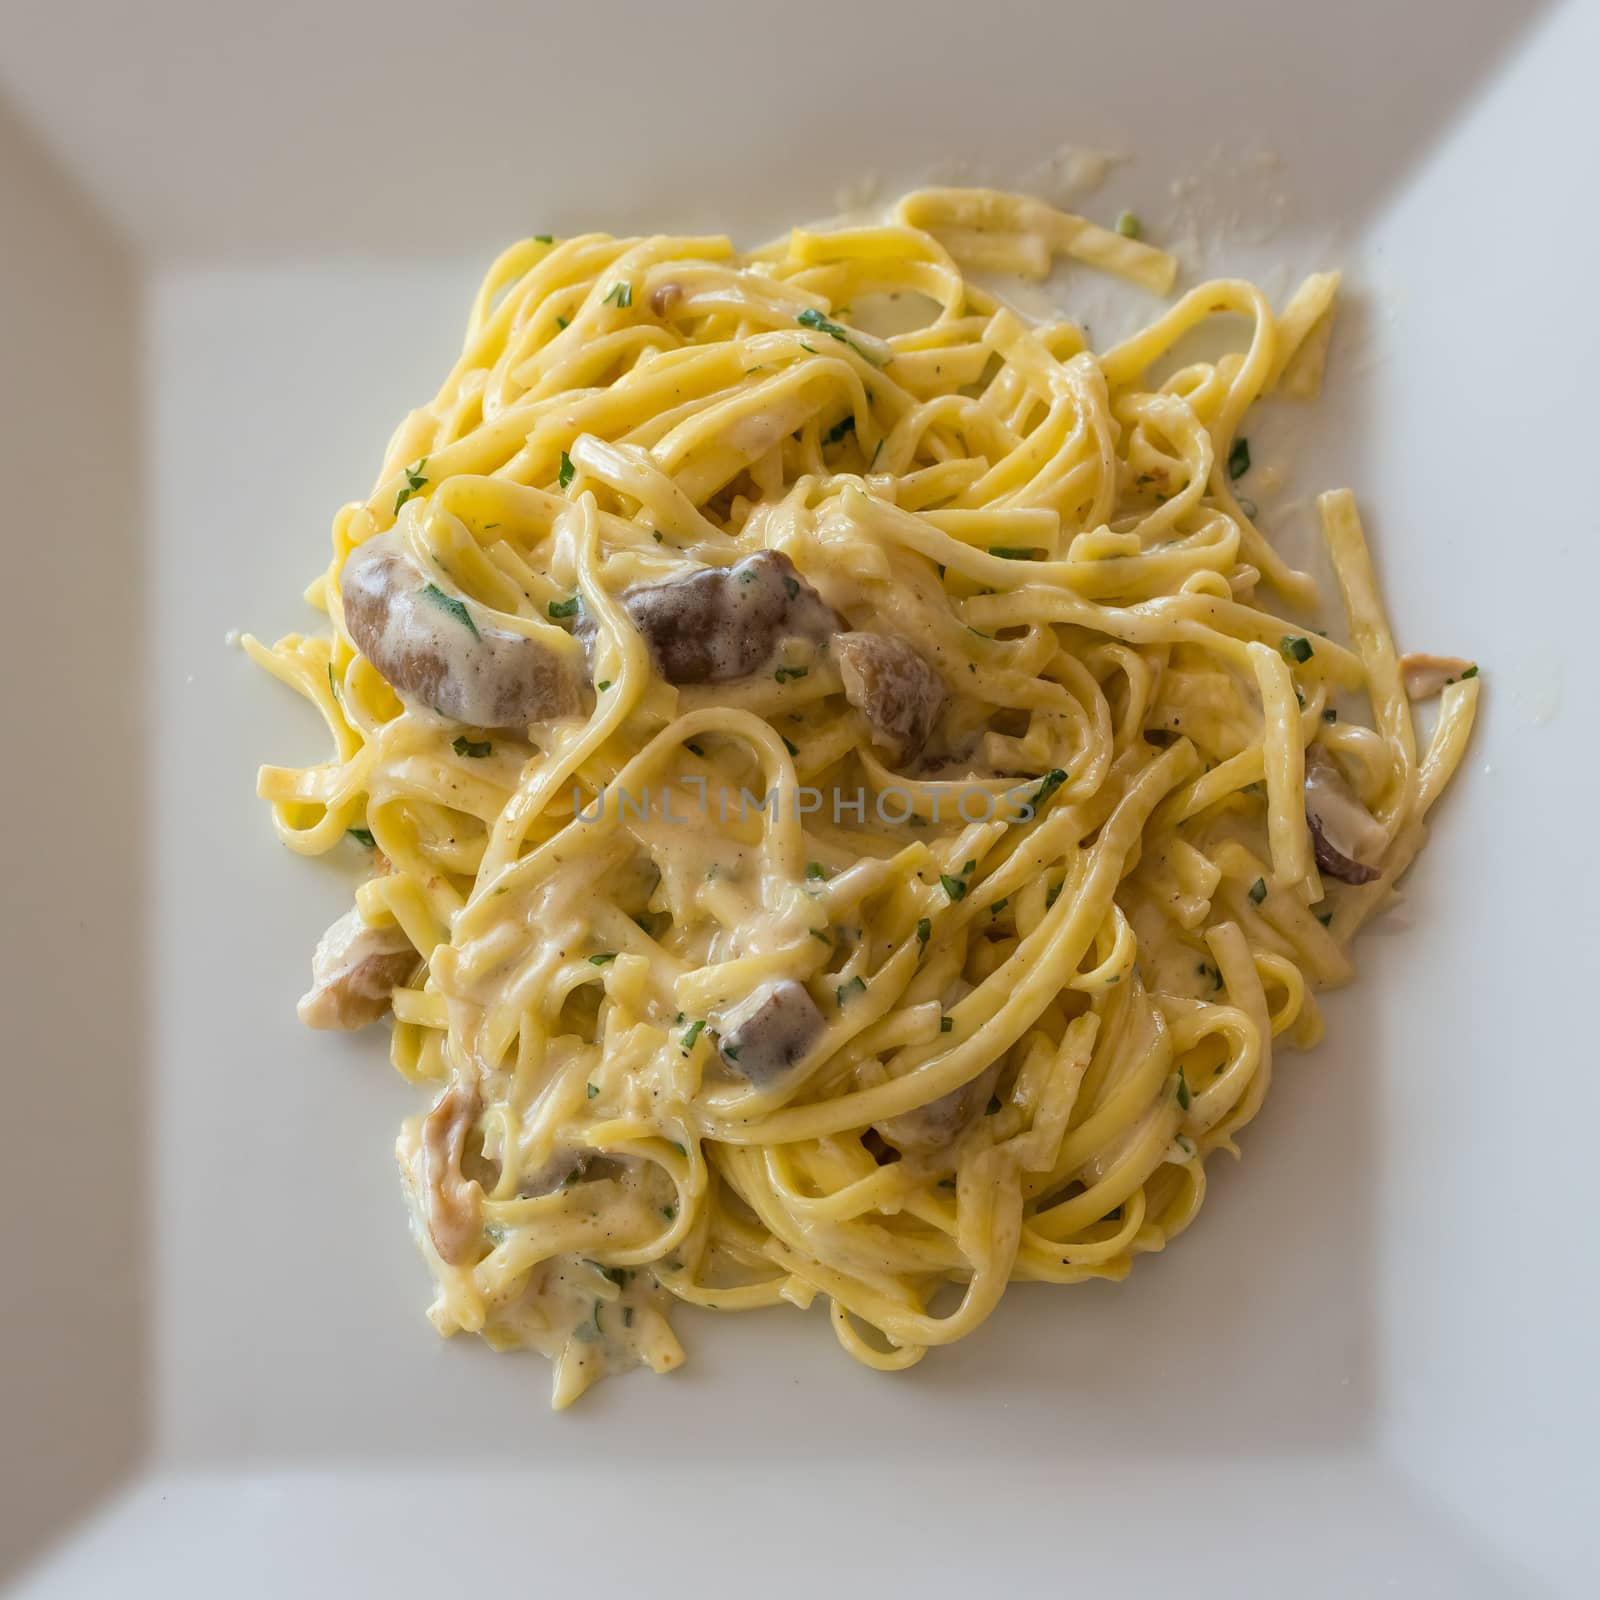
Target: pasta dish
column 853, row 795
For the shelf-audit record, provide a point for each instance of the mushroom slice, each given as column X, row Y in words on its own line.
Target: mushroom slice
column 766, row 1033
column 925, row 1129
column 900, row 695
column 354, row 973
column 444, row 653
column 452, row 1205
column 1347, row 839
column 550, row 1175
column 723, row 623
column 1424, row 675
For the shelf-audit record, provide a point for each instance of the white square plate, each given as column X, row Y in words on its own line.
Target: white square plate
column 239, row 241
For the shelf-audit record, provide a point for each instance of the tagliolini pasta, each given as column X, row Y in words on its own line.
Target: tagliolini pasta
column 846, row 818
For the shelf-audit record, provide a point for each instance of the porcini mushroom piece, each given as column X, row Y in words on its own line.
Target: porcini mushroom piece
column 1347, row 839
